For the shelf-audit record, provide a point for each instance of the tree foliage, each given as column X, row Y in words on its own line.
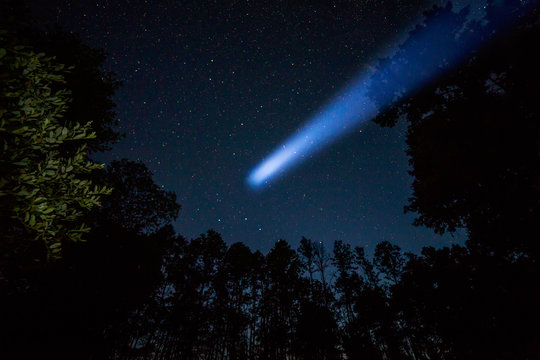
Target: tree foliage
column 91, row 87
column 472, row 134
column 137, row 202
column 43, row 187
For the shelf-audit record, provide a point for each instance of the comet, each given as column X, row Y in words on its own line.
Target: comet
column 339, row 117
column 392, row 77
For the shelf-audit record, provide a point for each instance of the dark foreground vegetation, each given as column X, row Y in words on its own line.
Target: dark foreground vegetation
column 133, row 289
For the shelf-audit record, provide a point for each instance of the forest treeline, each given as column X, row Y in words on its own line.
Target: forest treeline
column 91, row 268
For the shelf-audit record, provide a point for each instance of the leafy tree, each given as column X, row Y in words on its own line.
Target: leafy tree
column 472, row 135
column 368, row 270
column 306, row 252
column 347, row 279
column 279, row 301
column 322, row 263
column 137, row 203
column 316, row 335
column 91, row 88
column 389, row 261
column 43, row 188
column 238, row 270
column 101, row 296
column 473, row 145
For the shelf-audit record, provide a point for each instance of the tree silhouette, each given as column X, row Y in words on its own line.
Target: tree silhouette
column 472, row 143
column 389, row 261
column 137, row 203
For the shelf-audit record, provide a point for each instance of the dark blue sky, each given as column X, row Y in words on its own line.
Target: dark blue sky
column 211, row 87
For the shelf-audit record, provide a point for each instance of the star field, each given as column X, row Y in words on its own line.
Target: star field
column 211, row 87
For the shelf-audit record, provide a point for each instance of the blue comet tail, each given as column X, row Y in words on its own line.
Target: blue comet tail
column 353, row 107
column 342, row 114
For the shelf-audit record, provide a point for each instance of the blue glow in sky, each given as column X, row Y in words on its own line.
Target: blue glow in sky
column 337, row 118
column 352, row 107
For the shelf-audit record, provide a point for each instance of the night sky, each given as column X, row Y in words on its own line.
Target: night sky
column 211, row 88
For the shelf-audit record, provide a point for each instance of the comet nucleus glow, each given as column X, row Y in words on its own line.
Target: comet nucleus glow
column 342, row 114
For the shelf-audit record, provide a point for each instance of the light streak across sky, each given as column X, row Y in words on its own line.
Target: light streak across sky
column 339, row 117
column 352, row 107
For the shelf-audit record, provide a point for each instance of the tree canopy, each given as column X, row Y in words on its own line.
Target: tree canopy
column 43, row 187
column 472, row 134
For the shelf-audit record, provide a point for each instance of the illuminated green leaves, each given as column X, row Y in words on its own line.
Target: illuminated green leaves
column 43, row 162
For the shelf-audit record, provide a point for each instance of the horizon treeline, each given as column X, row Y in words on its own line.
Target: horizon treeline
column 91, row 267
